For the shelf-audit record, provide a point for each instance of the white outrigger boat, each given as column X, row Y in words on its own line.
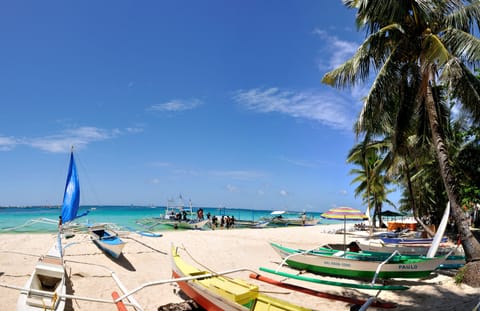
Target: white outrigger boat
column 181, row 217
column 281, row 218
column 46, row 287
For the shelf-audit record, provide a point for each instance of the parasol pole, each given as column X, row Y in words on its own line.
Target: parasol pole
column 344, row 232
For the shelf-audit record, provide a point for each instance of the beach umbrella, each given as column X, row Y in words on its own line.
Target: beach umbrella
column 344, row 213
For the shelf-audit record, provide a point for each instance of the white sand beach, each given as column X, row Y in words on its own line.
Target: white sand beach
column 147, row 259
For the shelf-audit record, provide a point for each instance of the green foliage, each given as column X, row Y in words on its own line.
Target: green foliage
column 466, row 151
column 460, row 275
column 421, row 52
column 371, row 175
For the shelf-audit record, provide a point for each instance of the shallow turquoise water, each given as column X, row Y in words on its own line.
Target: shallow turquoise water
column 124, row 216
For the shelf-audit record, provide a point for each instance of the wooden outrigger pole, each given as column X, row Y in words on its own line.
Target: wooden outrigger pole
column 66, row 296
column 131, row 300
column 183, row 279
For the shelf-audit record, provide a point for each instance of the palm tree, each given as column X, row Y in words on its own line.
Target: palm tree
column 416, row 46
column 414, row 158
column 370, row 177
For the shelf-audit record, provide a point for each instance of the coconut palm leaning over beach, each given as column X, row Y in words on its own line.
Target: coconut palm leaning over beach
column 415, row 47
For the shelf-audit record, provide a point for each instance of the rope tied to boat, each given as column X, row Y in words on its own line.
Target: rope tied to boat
column 54, row 300
column 216, row 274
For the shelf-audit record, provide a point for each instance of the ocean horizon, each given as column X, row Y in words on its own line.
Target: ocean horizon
column 27, row 219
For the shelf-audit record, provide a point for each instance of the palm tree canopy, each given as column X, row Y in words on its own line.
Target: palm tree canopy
column 421, row 51
column 405, row 37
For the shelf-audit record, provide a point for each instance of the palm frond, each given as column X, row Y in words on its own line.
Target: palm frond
column 464, row 85
column 376, row 14
column 463, row 16
column 357, row 69
column 372, row 115
column 434, row 51
column 462, row 45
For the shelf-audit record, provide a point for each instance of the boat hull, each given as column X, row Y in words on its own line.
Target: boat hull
column 203, row 297
column 192, row 224
column 107, row 240
column 293, row 222
column 223, row 293
column 355, row 265
column 112, row 247
column 407, row 249
column 46, row 287
column 452, row 261
column 410, row 240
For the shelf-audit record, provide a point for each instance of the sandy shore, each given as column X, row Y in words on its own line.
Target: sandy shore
column 147, row 259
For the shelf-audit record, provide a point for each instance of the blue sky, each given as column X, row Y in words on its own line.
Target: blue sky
column 220, row 101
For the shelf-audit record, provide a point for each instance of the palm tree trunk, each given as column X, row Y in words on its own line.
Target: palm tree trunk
column 470, row 245
column 413, row 201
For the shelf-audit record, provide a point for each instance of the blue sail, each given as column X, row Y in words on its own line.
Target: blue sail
column 71, row 196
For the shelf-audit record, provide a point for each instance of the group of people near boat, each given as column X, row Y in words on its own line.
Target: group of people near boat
column 225, row 221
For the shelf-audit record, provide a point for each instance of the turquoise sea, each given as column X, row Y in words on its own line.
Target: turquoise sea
column 123, row 216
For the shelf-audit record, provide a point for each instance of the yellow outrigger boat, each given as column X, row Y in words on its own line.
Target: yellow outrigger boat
column 219, row 292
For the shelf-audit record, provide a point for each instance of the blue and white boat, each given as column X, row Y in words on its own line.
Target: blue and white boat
column 101, row 234
column 107, row 239
column 411, row 240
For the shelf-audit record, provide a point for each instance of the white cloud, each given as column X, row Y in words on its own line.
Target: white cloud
column 161, row 164
column 58, row 143
column 302, row 163
column 176, row 105
column 283, row 193
column 186, row 172
column 7, row 143
column 340, row 50
column 238, row 174
column 327, row 109
column 134, row 130
column 79, row 138
column 232, row 188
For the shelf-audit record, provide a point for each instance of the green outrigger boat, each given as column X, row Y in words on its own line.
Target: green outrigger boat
column 334, row 283
column 358, row 265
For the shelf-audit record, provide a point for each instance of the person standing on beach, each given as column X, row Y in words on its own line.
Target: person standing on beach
column 60, row 222
column 200, row 214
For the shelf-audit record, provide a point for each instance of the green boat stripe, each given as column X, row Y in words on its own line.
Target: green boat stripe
column 334, row 283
